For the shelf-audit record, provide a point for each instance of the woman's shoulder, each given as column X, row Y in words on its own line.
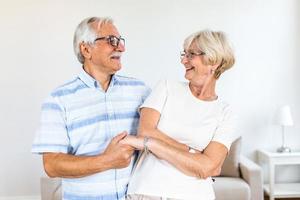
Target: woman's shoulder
column 172, row 85
column 226, row 108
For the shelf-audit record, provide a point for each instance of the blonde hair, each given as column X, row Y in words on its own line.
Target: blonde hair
column 216, row 48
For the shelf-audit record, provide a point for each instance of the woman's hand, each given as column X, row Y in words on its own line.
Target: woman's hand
column 135, row 141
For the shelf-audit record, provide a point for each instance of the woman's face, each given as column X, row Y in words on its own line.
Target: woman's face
column 195, row 70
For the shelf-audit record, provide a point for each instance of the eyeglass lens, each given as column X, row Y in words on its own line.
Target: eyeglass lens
column 115, row 41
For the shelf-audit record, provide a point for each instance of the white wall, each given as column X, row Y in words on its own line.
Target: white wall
column 37, row 55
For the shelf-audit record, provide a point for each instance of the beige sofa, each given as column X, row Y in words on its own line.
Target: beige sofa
column 240, row 179
column 249, row 186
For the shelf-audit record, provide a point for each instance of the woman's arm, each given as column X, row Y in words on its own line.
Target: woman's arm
column 199, row 164
column 148, row 128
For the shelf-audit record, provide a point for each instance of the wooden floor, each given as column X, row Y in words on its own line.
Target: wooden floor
column 267, row 198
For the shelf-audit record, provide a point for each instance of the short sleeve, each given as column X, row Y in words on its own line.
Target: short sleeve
column 146, row 93
column 157, row 97
column 225, row 131
column 51, row 135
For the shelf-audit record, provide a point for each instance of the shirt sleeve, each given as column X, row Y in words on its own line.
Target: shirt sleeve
column 51, row 135
column 225, row 131
column 146, row 93
column 157, row 97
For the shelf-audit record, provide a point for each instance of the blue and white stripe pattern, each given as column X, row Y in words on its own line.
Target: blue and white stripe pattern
column 79, row 118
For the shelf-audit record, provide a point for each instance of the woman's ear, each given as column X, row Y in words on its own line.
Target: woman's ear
column 214, row 67
column 85, row 50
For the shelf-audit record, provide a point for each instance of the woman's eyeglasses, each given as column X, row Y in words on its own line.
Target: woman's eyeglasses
column 190, row 55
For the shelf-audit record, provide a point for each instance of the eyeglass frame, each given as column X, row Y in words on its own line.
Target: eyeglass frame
column 190, row 55
column 110, row 41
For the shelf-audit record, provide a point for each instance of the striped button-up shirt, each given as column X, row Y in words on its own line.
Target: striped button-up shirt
column 79, row 118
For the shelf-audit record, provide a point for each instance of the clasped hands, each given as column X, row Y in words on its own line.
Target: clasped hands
column 136, row 142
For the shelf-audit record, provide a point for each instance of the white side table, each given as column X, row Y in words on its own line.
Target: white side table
column 276, row 190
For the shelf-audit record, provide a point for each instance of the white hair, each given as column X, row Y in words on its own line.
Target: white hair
column 87, row 34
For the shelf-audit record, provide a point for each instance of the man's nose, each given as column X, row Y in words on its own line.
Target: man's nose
column 121, row 47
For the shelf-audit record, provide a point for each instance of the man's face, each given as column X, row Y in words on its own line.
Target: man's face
column 104, row 56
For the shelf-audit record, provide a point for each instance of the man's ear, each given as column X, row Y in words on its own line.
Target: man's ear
column 85, row 50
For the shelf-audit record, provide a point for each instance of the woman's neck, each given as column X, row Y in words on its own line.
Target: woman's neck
column 204, row 91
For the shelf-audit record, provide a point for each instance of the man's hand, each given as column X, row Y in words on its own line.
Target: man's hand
column 118, row 153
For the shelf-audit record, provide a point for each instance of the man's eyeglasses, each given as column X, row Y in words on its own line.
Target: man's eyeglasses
column 112, row 40
column 190, row 55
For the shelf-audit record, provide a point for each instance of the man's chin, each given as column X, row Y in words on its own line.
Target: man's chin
column 116, row 68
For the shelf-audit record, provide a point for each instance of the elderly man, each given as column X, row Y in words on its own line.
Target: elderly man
column 84, row 120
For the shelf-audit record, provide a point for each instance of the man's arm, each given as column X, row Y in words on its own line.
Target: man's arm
column 115, row 156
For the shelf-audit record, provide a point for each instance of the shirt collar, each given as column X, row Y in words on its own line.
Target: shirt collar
column 91, row 82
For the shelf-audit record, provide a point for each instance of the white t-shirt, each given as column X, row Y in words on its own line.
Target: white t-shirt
column 190, row 121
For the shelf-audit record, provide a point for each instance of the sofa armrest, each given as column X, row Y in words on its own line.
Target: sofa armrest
column 252, row 174
column 50, row 188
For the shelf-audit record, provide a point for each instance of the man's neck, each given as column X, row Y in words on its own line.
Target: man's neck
column 101, row 77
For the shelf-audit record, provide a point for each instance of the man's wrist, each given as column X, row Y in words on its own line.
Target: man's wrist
column 105, row 162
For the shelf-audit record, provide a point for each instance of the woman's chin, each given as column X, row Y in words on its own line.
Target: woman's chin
column 187, row 77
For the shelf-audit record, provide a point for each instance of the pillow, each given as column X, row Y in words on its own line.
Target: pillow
column 231, row 164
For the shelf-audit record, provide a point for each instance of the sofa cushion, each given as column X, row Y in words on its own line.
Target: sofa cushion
column 231, row 164
column 227, row 188
column 51, row 188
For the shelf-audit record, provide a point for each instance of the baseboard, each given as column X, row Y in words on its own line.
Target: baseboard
column 21, row 198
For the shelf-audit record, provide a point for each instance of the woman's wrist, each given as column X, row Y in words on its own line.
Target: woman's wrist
column 145, row 144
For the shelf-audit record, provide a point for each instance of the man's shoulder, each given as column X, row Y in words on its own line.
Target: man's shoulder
column 125, row 80
column 69, row 87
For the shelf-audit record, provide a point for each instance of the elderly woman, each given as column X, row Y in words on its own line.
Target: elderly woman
column 185, row 129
